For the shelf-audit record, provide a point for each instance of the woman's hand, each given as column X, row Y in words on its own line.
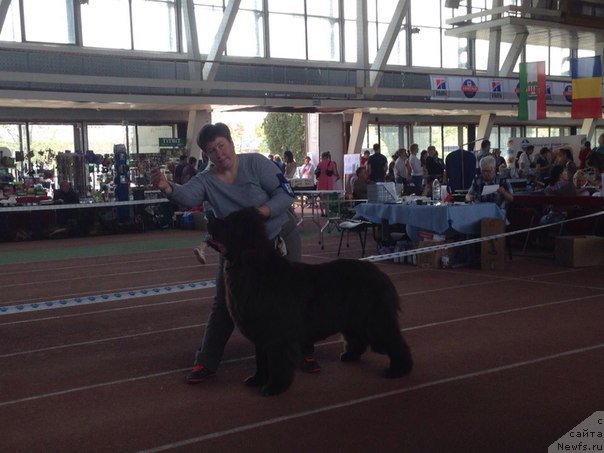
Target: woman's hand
column 159, row 181
column 264, row 210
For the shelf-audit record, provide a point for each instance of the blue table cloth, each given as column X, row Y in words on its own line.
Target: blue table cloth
column 463, row 218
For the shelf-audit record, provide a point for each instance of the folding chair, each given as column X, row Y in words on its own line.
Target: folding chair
column 356, row 226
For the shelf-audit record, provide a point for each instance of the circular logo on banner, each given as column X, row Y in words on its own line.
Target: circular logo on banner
column 568, row 92
column 469, row 88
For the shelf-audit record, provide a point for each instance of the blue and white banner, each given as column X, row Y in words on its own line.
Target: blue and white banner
column 492, row 89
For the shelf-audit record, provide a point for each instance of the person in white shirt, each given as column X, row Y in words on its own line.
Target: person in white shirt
column 307, row 171
column 401, row 167
column 417, row 171
column 525, row 161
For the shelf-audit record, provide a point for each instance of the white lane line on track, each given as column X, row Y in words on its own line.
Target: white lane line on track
column 323, row 343
column 241, row 359
column 367, row 399
column 100, row 340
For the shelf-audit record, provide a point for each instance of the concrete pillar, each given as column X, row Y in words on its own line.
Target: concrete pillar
column 197, row 119
column 331, row 133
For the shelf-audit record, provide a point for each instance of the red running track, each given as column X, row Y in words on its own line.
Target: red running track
column 506, row 361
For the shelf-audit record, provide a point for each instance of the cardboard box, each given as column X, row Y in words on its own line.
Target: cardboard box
column 429, row 260
column 492, row 252
column 579, row 251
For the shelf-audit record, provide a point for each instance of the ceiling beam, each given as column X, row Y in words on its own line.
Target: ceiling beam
column 4, row 4
column 192, row 38
column 383, row 54
column 222, row 35
column 513, row 54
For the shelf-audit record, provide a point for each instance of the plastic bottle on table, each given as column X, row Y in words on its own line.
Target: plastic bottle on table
column 436, row 190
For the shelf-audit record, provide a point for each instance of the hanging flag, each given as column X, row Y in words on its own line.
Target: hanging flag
column 586, row 87
column 532, row 91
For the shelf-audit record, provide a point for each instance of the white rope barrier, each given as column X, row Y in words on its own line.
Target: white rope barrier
column 449, row 245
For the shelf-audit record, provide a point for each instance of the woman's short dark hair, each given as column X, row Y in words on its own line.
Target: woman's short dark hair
column 326, row 154
column 555, row 172
column 211, row 132
column 288, row 156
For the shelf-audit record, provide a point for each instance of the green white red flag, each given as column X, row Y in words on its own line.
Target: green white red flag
column 532, row 91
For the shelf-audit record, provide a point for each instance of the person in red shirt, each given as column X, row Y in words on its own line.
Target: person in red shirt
column 583, row 154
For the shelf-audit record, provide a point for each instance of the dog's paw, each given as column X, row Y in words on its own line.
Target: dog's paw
column 272, row 390
column 397, row 372
column 254, row 381
column 349, row 357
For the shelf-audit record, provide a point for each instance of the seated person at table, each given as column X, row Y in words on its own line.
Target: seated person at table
column 67, row 219
column 359, row 186
column 489, row 177
column 580, row 182
column 65, row 194
column 559, row 183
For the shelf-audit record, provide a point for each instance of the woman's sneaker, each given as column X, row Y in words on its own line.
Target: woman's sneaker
column 310, row 365
column 199, row 373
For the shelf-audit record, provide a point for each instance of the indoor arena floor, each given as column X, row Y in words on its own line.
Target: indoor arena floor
column 98, row 334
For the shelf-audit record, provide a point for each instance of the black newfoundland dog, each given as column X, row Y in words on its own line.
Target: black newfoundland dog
column 279, row 305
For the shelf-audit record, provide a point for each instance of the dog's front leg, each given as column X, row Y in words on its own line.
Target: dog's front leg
column 281, row 366
column 260, row 378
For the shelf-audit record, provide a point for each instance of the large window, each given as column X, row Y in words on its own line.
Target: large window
column 147, row 138
column 11, row 30
column 49, row 21
column 106, row 23
column 101, row 138
column 287, row 29
column 11, row 137
column 154, row 25
column 248, row 37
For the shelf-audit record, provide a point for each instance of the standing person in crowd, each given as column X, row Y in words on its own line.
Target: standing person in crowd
column 390, row 174
column 489, row 177
column 585, row 150
column 499, row 160
column 434, row 168
column 525, row 162
column 178, row 169
column 327, row 174
column 364, row 158
column 291, row 167
column 189, row 171
column 307, row 171
column 377, row 165
column 231, row 183
column 279, row 163
column 417, row 171
column 600, row 148
column 401, row 168
column 485, row 150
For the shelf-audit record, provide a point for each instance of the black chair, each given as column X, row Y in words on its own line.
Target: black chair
column 356, row 226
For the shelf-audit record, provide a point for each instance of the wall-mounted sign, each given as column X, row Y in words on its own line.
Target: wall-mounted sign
column 171, row 142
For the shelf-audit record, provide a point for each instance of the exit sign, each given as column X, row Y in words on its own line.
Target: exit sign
column 163, row 142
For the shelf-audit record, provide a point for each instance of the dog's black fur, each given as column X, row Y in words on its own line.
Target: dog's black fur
column 279, row 305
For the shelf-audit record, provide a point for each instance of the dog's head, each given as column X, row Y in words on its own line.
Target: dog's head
column 239, row 232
